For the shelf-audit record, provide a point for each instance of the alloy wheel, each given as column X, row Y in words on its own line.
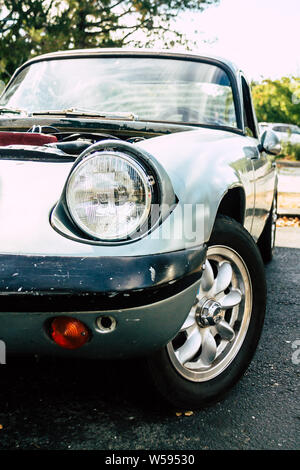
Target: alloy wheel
column 217, row 324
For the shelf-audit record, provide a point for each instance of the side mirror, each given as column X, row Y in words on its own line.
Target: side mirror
column 270, row 143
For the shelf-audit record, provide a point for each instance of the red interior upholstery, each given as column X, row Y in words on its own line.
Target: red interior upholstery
column 25, row 138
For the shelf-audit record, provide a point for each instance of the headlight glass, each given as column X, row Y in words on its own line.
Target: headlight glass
column 109, row 195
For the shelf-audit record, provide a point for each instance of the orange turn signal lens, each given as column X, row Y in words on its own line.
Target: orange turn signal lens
column 69, row 333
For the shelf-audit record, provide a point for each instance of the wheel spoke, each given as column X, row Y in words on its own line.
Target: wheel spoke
column 225, row 330
column 189, row 321
column 223, row 278
column 209, row 347
column 231, row 300
column 207, row 279
column 191, row 346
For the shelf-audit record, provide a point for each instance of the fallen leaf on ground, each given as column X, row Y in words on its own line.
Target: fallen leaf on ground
column 288, row 222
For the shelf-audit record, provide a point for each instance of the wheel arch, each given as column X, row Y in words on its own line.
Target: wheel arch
column 233, row 204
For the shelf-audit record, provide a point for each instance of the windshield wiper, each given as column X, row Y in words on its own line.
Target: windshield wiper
column 87, row 112
column 4, row 109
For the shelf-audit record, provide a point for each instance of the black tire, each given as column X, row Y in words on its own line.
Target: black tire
column 182, row 392
column 266, row 242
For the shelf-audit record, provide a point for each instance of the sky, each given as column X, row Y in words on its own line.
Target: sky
column 261, row 36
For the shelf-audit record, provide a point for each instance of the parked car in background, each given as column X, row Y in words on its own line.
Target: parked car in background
column 137, row 203
column 285, row 132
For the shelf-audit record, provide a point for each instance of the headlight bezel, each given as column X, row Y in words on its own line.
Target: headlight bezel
column 139, row 170
column 163, row 203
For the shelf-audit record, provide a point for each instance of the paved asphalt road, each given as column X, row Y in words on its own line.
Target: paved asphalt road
column 103, row 406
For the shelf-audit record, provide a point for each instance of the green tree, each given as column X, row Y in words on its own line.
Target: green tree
column 32, row 27
column 277, row 100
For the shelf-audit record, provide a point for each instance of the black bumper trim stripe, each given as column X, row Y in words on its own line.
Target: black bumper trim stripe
column 55, row 284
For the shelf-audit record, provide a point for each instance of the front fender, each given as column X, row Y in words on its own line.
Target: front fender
column 203, row 166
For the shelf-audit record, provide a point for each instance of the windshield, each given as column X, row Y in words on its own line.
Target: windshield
column 156, row 89
column 287, row 129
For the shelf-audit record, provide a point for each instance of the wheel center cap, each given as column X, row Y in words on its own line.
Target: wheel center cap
column 209, row 313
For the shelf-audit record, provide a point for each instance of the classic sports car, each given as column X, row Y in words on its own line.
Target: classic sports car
column 138, row 203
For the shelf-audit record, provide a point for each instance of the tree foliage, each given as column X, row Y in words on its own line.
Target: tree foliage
column 277, row 100
column 31, row 27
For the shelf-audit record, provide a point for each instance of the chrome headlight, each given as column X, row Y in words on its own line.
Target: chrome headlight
column 109, row 195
